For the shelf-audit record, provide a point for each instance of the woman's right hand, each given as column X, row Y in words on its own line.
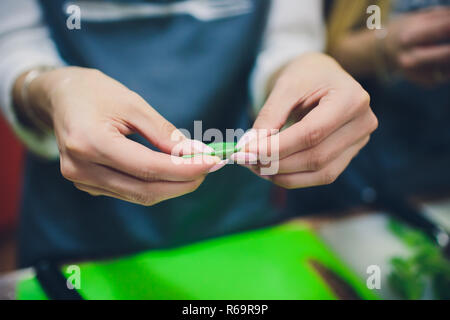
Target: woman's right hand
column 92, row 115
column 418, row 45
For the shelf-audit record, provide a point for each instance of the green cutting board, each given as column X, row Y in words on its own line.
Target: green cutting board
column 271, row 263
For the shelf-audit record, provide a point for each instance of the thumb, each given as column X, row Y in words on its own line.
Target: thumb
column 277, row 109
column 163, row 134
column 272, row 117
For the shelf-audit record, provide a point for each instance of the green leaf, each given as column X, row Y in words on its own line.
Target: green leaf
column 408, row 275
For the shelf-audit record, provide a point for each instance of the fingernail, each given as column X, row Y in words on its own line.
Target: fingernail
column 200, row 147
column 244, row 158
column 246, row 138
column 218, row 166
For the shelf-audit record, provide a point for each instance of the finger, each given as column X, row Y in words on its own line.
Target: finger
column 132, row 158
column 152, row 125
column 324, row 176
column 433, row 12
column 314, row 159
column 423, row 58
column 127, row 188
column 333, row 111
column 94, row 191
column 142, row 118
column 276, row 110
column 190, row 147
column 431, row 27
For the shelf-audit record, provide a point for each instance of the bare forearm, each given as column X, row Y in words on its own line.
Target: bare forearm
column 31, row 100
column 357, row 53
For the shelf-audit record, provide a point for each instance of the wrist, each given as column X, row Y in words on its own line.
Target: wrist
column 32, row 96
column 383, row 62
column 30, row 101
column 306, row 61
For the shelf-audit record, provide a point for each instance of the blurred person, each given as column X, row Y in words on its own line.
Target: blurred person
column 79, row 98
column 413, row 45
column 405, row 66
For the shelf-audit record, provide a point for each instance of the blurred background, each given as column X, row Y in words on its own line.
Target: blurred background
column 10, row 189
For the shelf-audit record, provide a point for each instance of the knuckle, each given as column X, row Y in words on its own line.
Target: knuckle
column 360, row 100
column 167, row 127
column 146, row 198
column 77, row 144
column 147, row 174
column 406, row 62
column 317, row 160
column 328, row 177
column 134, row 100
column 364, row 99
column 285, row 182
column 68, row 171
column 313, row 137
column 373, row 122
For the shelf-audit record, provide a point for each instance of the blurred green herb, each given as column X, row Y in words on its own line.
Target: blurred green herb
column 410, row 275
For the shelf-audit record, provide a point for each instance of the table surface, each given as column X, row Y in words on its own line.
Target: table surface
column 361, row 239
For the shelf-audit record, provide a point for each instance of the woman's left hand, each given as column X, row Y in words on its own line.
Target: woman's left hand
column 332, row 122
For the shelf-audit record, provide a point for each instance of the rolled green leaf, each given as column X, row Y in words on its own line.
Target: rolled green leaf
column 223, row 150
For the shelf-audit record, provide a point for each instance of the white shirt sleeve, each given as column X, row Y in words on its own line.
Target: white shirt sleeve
column 24, row 43
column 294, row 27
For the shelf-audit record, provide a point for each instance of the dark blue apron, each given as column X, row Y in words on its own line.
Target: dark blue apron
column 187, row 70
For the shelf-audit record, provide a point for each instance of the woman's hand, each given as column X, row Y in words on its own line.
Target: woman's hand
column 91, row 115
column 417, row 45
column 333, row 121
